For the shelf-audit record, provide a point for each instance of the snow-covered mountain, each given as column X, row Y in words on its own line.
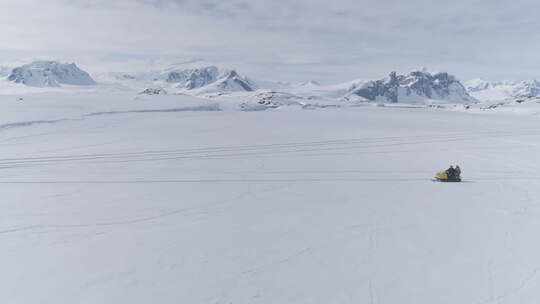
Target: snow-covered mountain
column 230, row 81
column 415, row 87
column 50, row 74
column 503, row 90
column 526, row 89
column 478, row 84
column 212, row 81
column 418, row 87
column 194, row 79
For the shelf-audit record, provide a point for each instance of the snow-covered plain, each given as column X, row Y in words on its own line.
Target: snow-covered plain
column 121, row 198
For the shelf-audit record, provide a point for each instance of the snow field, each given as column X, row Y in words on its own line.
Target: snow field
column 283, row 206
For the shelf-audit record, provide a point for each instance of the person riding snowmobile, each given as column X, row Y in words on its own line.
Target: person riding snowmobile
column 451, row 172
column 449, row 175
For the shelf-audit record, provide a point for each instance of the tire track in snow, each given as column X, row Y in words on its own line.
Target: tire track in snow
column 19, row 229
column 99, row 224
column 197, row 209
column 190, row 181
column 251, row 150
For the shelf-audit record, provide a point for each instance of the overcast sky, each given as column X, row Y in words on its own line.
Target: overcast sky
column 292, row 40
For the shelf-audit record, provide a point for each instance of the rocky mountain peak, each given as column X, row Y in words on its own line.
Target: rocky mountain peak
column 412, row 87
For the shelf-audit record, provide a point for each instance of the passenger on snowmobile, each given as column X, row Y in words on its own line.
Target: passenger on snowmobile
column 451, row 172
column 458, row 171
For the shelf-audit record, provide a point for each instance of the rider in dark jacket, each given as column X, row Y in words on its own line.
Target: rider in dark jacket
column 451, row 172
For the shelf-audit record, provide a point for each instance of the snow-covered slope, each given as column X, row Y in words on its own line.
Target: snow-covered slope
column 50, row 74
column 503, row 90
column 415, row 87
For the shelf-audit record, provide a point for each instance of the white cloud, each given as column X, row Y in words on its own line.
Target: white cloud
column 291, row 40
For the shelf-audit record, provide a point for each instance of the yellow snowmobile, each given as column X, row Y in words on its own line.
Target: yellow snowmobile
column 443, row 177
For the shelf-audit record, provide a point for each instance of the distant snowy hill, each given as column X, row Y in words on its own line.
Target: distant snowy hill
column 50, row 74
column 415, row 87
column 4, row 71
column 503, row 90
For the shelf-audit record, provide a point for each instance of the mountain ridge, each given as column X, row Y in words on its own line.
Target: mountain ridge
column 503, row 90
column 417, row 86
